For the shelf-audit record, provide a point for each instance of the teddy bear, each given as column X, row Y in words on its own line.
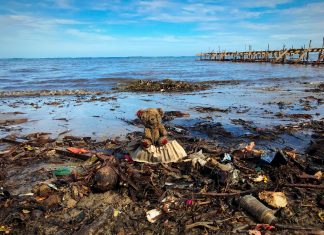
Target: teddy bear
column 154, row 132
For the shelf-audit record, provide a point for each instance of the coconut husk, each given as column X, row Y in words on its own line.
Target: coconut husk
column 171, row 152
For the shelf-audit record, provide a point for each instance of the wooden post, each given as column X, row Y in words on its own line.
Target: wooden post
column 320, row 54
column 309, row 46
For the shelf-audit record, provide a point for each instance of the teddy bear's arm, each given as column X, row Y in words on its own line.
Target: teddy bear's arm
column 163, row 131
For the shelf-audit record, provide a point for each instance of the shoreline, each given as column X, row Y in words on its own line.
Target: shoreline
column 222, row 102
column 281, row 118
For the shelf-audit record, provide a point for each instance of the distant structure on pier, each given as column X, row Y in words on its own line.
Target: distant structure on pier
column 313, row 56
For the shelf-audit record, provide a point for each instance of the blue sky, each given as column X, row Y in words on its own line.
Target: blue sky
column 82, row 28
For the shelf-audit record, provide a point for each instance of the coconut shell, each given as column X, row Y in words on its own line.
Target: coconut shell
column 105, row 179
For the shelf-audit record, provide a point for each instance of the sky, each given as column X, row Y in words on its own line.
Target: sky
column 104, row 28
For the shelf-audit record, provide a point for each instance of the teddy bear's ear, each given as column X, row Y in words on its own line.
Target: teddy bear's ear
column 139, row 113
column 160, row 111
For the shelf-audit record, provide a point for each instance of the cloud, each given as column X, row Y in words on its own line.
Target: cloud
column 64, row 4
column 262, row 3
column 27, row 21
column 165, row 17
column 89, row 36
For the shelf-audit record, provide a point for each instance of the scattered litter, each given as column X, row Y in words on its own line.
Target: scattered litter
column 77, row 150
column 52, row 186
column 250, row 146
column 153, row 215
column 261, row 178
column 26, row 194
column 227, row 158
column 257, row 209
column 274, row 158
column 116, row 212
column 274, row 199
column 128, row 158
column 5, row 229
column 321, row 215
column 197, row 194
column 29, row 148
column 198, row 158
column 318, row 175
column 63, row 170
column 189, row 202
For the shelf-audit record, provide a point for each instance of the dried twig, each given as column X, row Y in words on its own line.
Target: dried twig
column 216, row 194
column 312, row 186
column 296, row 227
column 204, row 224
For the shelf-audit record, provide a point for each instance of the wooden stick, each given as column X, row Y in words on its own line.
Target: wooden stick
column 10, row 141
column 216, row 194
column 296, row 227
column 313, row 186
column 206, row 224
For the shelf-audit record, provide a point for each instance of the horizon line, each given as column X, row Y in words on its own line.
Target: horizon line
column 90, row 57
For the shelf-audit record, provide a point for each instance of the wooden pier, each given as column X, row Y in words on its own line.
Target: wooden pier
column 313, row 56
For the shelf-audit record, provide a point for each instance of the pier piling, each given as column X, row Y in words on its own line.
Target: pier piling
column 303, row 55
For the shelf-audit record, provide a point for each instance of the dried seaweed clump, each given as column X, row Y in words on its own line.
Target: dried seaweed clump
column 166, row 85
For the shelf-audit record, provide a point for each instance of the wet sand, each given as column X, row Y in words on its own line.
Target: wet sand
column 239, row 108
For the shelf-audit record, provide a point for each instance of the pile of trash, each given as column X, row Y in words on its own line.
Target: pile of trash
column 78, row 185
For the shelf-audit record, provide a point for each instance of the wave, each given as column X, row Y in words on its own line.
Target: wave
column 23, row 93
column 59, row 81
column 25, row 70
column 282, row 79
column 115, row 79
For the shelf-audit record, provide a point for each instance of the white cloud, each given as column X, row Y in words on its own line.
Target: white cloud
column 65, row 4
column 17, row 22
column 165, row 17
column 89, row 36
column 261, row 3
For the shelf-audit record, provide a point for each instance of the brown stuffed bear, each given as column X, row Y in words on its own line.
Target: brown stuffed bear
column 154, row 133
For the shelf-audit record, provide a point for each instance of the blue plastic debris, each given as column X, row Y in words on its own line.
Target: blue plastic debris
column 227, row 158
column 274, row 158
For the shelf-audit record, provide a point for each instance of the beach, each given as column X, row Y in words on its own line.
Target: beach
column 216, row 107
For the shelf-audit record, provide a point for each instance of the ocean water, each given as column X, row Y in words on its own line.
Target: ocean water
column 103, row 73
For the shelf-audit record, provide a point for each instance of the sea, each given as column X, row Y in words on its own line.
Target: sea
column 103, row 73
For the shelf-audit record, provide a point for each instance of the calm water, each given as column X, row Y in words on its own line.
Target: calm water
column 101, row 73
